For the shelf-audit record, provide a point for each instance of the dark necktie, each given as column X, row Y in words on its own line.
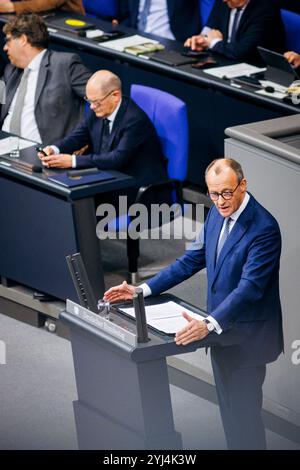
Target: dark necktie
column 224, row 236
column 144, row 15
column 235, row 24
column 105, row 136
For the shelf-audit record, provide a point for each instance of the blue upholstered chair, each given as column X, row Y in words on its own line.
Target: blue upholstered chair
column 205, row 7
column 169, row 116
column 101, row 8
column 291, row 23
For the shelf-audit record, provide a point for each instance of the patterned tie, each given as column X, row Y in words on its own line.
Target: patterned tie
column 224, row 236
column 15, row 123
column 144, row 15
column 105, row 136
column 235, row 24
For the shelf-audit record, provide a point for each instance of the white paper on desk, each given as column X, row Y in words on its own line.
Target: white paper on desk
column 233, row 71
column 7, row 144
column 276, row 94
column 166, row 317
column 280, row 88
column 120, row 44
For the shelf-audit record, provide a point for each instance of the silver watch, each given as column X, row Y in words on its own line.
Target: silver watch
column 209, row 325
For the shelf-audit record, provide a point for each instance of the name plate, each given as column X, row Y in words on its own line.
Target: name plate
column 101, row 323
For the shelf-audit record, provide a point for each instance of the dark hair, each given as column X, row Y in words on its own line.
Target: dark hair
column 32, row 26
column 220, row 163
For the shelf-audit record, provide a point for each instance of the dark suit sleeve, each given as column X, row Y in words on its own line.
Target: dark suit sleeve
column 130, row 138
column 77, row 139
column 79, row 75
column 261, row 264
column 256, row 34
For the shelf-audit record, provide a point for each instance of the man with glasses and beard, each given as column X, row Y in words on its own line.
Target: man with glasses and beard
column 240, row 247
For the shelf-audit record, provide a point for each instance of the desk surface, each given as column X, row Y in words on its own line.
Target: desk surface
column 184, row 72
column 40, row 180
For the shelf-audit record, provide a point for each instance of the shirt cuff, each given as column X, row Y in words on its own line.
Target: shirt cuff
column 74, row 164
column 55, row 149
column 205, row 31
column 146, row 289
column 214, row 42
column 218, row 329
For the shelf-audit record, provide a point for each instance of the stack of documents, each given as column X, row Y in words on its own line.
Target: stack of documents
column 165, row 317
column 131, row 42
column 233, row 71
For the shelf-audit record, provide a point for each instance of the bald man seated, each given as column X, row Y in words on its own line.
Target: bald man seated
column 36, row 6
column 118, row 133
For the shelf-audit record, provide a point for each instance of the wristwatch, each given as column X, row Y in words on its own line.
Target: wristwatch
column 209, row 325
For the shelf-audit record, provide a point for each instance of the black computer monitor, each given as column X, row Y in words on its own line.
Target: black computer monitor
column 279, row 70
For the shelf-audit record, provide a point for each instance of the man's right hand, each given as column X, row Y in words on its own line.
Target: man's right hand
column 119, row 293
column 48, row 151
column 197, row 43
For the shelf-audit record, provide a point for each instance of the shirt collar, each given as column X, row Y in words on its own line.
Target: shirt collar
column 113, row 115
column 36, row 61
column 242, row 207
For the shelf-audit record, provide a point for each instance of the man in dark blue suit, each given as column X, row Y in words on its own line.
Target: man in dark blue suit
column 240, row 248
column 236, row 27
column 117, row 133
column 173, row 19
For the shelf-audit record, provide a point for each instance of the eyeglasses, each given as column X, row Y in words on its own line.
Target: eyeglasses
column 99, row 101
column 227, row 194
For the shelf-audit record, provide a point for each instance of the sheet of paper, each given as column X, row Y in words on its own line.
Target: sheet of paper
column 120, row 44
column 232, row 71
column 9, row 143
column 166, row 317
column 276, row 86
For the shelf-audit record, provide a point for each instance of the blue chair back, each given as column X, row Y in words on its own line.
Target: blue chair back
column 205, row 7
column 101, row 8
column 291, row 23
column 169, row 116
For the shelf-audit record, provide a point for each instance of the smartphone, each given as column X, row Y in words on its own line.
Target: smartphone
column 204, row 63
column 40, row 150
column 187, row 51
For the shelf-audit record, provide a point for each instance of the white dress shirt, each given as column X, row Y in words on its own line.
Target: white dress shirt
column 29, row 128
column 206, row 29
column 158, row 19
column 111, row 120
column 234, row 217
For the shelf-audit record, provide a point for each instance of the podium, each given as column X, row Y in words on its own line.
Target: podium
column 123, row 388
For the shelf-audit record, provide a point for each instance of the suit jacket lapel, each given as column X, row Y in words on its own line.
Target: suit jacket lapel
column 43, row 72
column 240, row 227
column 212, row 244
column 118, row 120
column 11, row 88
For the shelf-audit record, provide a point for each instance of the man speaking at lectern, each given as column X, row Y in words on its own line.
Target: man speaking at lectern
column 240, row 248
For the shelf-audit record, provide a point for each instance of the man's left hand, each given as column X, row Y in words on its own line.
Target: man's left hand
column 194, row 331
column 6, row 6
column 62, row 160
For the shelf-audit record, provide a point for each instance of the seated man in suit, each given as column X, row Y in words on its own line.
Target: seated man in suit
column 236, row 27
column 240, row 247
column 293, row 58
column 36, row 6
column 119, row 135
column 171, row 19
column 44, row 89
